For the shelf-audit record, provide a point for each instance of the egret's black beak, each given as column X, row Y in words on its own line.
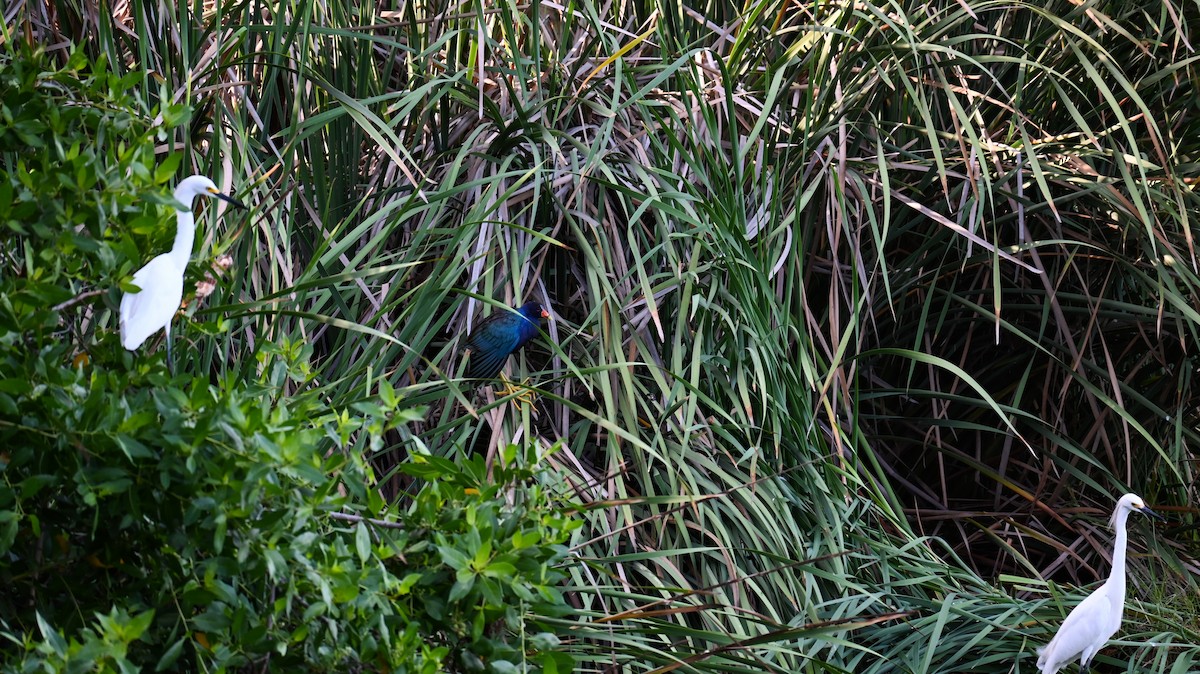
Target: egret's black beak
column 1147, row 511
column 226, row 197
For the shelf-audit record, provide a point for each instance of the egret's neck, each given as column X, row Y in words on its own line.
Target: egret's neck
column 185, row 234
column 1117, row 577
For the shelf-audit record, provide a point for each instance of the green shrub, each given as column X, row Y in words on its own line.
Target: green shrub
column 158, row 521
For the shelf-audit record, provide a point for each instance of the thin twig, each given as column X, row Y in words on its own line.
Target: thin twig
column 77, row 299
column 347, row 517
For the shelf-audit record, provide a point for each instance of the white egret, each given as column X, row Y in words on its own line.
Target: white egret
column 160, row 282
column 1093, row 622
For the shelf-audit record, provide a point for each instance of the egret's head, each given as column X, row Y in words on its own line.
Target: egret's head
column 1133, row 502
column 200, row 186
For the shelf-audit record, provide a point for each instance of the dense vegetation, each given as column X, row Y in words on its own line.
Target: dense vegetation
column 863, row 318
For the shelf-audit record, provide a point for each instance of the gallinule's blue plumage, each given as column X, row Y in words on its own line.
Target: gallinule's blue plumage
column 499, row 336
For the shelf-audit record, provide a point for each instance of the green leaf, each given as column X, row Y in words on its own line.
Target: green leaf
column 526, row 539
column 170, row 655
column 499, row 570
column 545, row 641
column 316, row 609
column 455, row 559
column 132, row 448
column 461, row 588
column 51, row 636
column 138, row 625
column 173, row 115
column 362, row 542
column 211, row 621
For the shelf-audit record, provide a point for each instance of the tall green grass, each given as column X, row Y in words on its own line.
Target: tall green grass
column 853, row 303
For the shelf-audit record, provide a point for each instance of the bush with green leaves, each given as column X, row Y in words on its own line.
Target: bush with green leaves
column 200, row 522
column 820, row 273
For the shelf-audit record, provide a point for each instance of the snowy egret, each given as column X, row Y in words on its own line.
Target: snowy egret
column 160, row 282
column 1093, row 622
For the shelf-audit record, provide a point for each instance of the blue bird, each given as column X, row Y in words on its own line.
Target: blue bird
column 499, row 336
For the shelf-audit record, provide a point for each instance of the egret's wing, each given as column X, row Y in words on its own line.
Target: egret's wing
column 1086, row 624
column 150, row 309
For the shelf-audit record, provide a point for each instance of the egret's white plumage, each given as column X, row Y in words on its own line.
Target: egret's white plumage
column 160, row 282
column 1093, row 622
